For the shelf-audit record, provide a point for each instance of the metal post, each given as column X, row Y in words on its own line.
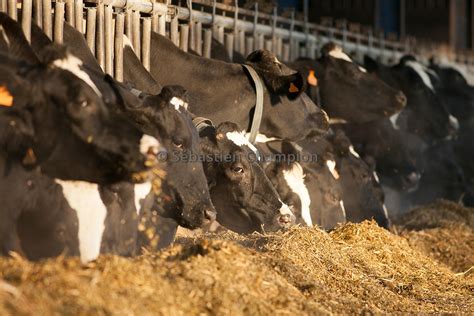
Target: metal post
column 255, row 23
column 38, row 11
column 79, row 15
column 109, row 45
column 192, row 40
column 207, row 43
column 174, row 31
column 70, row 12
column 229, row 45
column 26, row 10
column 249, row 45
column 198, row 38
column 58, row 21
column 184, row 37
column 47, row 21
column 269, row 45
column 3, row 6
column 241, row 47
column 162, row 25
column 12, row 9
column 128, row 24
column 119, row 29
column 90, row 28
column 146, row 43
column 136, row 33
column 154, row 23
column 286, row 52
column 100, row 38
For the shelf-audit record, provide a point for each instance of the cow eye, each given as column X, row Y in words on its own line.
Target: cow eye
column 84, row 103
column 178, row 144
column 237, row 169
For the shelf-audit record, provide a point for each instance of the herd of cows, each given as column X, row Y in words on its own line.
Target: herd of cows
column 90, row 165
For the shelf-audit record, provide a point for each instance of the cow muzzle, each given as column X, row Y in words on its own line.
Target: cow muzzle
column 285, row 218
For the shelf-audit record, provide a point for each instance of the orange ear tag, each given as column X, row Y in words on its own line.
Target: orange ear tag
column 312, row 80
column 293, row 88
column 6, row 99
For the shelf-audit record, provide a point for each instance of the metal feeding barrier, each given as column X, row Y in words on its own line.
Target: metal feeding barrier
column 192, row 25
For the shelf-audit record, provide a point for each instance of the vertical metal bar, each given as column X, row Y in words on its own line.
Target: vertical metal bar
column 100, row 38
column 248, row 45
column 198, row 38
column 47, row 23
column 220, row 34
column 286, row 52
column 191, row 25
column 128, row 25
column 184, row 37
column 162, row 25
column 269, row 45
column 255, row 24
column 279, row 47
column 70, row 12
column 58, row 21
column 241, row 42
column 118, row 56
column 229, row 45
column 136, row 33
column 3, row 6
column 26, row 10
column 261, row 41
column 108, row 36
column 154, row 23
column 90, row 28
column 12, row 9
column 174, row 31
column 207, row 43
column 79, row 15
column 38, row 12
column 146, row 42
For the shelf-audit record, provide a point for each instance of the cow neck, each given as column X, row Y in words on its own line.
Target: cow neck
column 204, row 80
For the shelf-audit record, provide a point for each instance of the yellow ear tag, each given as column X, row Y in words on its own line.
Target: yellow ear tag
column 6, row 99
column 293, row 88
column 312, row 80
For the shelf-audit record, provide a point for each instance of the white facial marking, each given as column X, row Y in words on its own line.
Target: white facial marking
column 261, row 138
column 294, row 177
column 421, row 71
column 339, row 54
column 353, row 152
column 73, row 64
column 331, row 164
column 178, row 103
column 343, row 209
column 239, row 139
column 336, row 120
column 285, row 210
column 376, row 177
column 141, row 191
column 362, row 69
column 385, row 211
column 149, row 143
column 276, row 61
column 454, row 122
column 393, row 120
column 91, row 212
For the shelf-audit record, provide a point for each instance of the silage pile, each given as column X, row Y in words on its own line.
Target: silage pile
column 356, row 268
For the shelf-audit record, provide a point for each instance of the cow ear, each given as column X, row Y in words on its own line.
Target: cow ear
column 370, row 64
column 224, row 128
column 292, row 85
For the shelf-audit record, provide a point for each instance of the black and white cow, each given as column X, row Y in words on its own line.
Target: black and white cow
column 346, row 90
column 219, row 90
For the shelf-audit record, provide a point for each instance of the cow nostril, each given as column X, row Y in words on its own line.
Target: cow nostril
column 285, row 219
column 210, row 215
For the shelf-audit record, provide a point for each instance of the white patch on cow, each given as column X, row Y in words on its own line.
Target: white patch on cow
column 127, row 42
column 141, row 191
column 393, row 120
column 385, row 211
column 421, row 71
column 454, row 122
column 91, row 212
column 148, row 143
column 240, row 140
column 331, row 164
column 353, row 152
column 73, row 64
column 294, row 177
column 337, row 120
column 285, row 210
column 337, row 52
column 362, row 69
column 261, row 138
column 178, row 103
column 276, row 61
column 343, row 209
column 376, row 177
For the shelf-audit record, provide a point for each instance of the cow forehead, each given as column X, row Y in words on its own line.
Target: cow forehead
column 337, row 52
column 73, row 64
column 239, row 139
column 178, row 104
column 421, row 71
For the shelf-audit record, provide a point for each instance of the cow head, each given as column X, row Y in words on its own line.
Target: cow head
column 185, row 193
column 348, row 91
column 284, row 96
column 244, row 197
column 414, row 80
column 362, row 194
